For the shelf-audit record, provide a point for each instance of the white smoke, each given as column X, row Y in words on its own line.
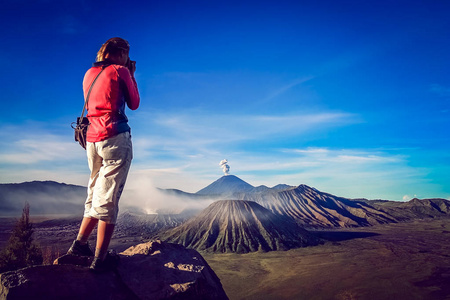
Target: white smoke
column 225, row 167
column 140, row 192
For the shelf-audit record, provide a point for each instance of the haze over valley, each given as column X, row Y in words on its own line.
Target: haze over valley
column 232, row 217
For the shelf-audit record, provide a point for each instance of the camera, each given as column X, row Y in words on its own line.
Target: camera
column 131, row 65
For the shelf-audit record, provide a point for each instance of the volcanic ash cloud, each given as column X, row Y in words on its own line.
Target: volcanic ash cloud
column 225, row 167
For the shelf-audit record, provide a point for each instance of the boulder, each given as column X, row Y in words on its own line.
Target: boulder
column 153, row 270
column 62, row 282
column 160, row 270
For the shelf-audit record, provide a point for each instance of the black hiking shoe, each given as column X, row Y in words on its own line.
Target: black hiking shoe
column 80, row 250
column 110, row 263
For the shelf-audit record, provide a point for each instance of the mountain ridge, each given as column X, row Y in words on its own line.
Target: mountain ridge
column 312, row 208
column 305, row 205
column 45, row 197
column 238, row 226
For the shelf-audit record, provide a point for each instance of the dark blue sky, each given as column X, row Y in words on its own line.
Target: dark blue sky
column 351, row 97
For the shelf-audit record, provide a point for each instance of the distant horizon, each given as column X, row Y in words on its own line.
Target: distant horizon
column 255, row 186
column 352, row 98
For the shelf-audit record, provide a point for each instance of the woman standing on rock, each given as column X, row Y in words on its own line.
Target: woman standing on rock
column 110, row 84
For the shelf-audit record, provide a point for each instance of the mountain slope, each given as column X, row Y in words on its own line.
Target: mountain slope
column 45, row 197
column 226, row 185
column 312, row 208
column 133, row 224
column 414, row 209
column 239, row 226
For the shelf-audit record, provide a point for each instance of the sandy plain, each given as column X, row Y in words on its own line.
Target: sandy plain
column 396, row 261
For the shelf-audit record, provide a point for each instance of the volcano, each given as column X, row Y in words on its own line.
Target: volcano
column 311, row 208
column 227, row 184
column 239, row 226
column 303, row 204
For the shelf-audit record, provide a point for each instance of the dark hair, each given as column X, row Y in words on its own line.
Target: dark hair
column 113, row 46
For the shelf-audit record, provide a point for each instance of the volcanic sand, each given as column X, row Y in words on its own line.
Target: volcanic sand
column 396, row 261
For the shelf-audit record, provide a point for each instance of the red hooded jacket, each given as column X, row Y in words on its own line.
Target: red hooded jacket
column 106, row 107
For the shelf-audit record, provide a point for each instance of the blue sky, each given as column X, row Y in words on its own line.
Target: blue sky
column 350, row 97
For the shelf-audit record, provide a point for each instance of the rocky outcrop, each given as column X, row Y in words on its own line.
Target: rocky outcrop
column 62, row 282
column 153, row 270
column 159, row 270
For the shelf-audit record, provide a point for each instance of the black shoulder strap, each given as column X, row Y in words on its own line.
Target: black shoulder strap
column 89, row 92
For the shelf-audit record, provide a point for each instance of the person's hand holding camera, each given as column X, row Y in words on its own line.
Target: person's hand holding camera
column 131, row 65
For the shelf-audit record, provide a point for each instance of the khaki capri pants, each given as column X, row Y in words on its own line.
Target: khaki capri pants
column 109, row 162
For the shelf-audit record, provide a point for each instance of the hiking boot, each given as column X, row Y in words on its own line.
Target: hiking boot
column 110, row 263
column 80, row 250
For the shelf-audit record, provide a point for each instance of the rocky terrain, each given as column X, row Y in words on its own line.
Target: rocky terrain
column 153, row 270
column 147, row 225
column 241, row 227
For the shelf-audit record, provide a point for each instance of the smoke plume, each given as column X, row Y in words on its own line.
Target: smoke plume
column 140, row 194
column 225, row 167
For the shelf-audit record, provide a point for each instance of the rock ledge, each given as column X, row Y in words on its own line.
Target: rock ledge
column 153, row 270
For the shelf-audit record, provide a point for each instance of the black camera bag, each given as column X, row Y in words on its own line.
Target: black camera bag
column 82, row 123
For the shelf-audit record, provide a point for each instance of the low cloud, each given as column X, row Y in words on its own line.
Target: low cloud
column 32, row 143
column 194, row 141
column 42, row 148
column 204, row 129
column 351, row 173
column 181, row 151
column 346, row 156
column 408, row 198
column 43, row 199
column 42, row 153
column 141, row 192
